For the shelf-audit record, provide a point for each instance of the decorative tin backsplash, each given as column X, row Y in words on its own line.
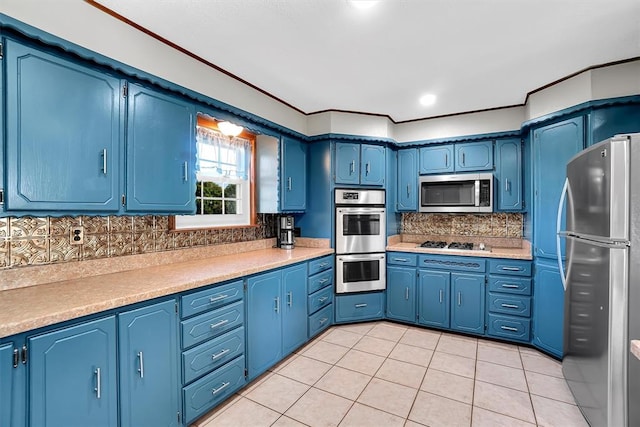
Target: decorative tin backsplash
column 35, row 241
column 488, row 225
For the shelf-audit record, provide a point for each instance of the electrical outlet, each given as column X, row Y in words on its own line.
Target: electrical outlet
column 76, row 235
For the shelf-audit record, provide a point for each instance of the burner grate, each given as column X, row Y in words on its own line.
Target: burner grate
column 460, row 245
column 433, row 244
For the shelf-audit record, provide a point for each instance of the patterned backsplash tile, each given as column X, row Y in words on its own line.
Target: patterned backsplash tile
column 485, row 225
column 35, row 241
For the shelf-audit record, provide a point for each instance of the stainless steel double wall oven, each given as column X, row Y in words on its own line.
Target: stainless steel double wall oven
column 360, row 240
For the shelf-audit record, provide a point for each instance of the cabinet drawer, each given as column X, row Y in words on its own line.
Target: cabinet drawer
column 320, row 321
column 211, row 298
column 320, row 264
column 320, row 280
column 209, row 325
column 211, row 354
column 402, row 258
column 320, row 299
column 510, row 266
column 209, row 391
column 511, row 285
column 357, row 307
column 507, row 304
column 513, row 328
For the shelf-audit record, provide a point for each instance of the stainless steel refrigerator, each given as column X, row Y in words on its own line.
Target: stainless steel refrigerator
column 602, row 280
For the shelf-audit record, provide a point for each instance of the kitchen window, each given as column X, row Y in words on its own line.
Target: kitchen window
column 224, row 173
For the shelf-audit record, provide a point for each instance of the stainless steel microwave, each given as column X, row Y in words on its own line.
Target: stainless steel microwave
column 470, row 192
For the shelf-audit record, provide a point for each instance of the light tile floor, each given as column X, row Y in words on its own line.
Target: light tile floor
column 387, row 374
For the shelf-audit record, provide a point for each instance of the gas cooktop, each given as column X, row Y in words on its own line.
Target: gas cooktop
column 430, row 244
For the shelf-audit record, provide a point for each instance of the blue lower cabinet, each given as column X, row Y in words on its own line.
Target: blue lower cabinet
column 212, row 389
column 212, row 323
column 212, row 354
column 548, row 308
column 320, row 299
column 433, row 298
column 320, row 320
column 509, row 304
column 72, row 376
column 12, row 411
column 467, row 302
column 359, row 307
column 211, row 298
column 401, row 294
column 148, row 359
column 294, row 307
column 320, row 280
column 509, row 327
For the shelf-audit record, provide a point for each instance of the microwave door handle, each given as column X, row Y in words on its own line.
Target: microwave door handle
column 477, row 188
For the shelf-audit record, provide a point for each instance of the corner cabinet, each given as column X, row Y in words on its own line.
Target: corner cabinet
column 64, row 133
column 293, row 184
column 160, row 141
column 407, row 181
column 548, row 308
column 508, row 175
column 359, row 164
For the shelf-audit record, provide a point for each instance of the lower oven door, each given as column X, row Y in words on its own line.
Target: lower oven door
column 361, row 272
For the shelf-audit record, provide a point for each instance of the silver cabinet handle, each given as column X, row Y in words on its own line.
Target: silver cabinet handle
column 446, row 159
column 219, row 389
column 508, row 286
column 400, row 260
column 463, row 162
column 289, row 299
column 441, row 295
column 219, row 355
column 352, row 167
column 324, row 264
column 459, row 298
column 408, row 190
column 507, row 185
column 220, row 323
column 510, row 306
column 277, row 307
column 323, row 320
column 289, row 181
column 321, row 281
column 509, row 328
column 511, row 268
column 218, row 298
column 141, row 368
column 406, row 293
column 323, row 299
column 186, row 172
column 360, row 305
column 104, row 161
column 98, row 388
column 367, row 168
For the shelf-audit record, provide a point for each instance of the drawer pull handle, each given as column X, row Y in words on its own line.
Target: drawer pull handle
column 324, row 264
column 505, row 285
column 220, row 323
column 218, row 298
column 512, row 268
column 219, row 389
column 323, row 299
column 401, row 260
column 323, row 320
column 219, row 355
column 509, row 328
column 98, row 388
column 360, row 305
column 510, row 305
column 141, row 369
column 323, row 281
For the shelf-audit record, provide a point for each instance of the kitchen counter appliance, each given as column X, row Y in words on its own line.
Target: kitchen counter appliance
column 360, row 240
column 602, row 282
column 469, row 192
column 285, row 237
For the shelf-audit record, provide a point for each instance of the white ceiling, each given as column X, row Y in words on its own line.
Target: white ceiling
column 325, row 54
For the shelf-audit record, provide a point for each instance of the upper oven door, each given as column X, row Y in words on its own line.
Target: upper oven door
column 360, row 230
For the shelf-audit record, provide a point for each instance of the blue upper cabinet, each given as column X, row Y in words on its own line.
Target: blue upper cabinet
column 553, row 146
column 436, row 159
column 293, row 188
column 508, row 175
column 64, row 135
column 359, row 164
column 372, row 164
column 160, row 145
column 407, row 188
column 474, row 156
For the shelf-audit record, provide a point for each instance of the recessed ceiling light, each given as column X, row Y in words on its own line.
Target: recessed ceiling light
column 363, row 4
column 428, row 99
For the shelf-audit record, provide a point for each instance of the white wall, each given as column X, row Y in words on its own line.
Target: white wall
column 349, row 123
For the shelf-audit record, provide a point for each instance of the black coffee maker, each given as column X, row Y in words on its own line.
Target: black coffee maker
column 285, row 232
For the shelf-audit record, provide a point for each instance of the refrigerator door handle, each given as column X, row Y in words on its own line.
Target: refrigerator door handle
column 558, row 233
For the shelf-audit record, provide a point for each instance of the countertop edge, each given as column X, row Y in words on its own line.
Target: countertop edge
column 505, row 253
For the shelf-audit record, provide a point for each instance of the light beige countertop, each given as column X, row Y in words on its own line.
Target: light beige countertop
column 26, row 308
column 523, row 252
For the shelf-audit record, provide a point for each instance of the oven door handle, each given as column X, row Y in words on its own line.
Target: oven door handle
column 360, row 257
column 347, row 211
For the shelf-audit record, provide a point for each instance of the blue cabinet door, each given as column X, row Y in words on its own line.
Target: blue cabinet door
column 474, row 156
column 401, row 293
column 72, row 376
column 148, row 358
column 548, row 308
column 433, row 298
column 372, row 165
column 347, row 166
column 553, row 146
column 160, row 146
column 436, row 159
column 63, row 134
column 407, row 191
column 467, row 302
column 294, row 307
column 293, row 182
column 264, row 322
column 7, row 390
column 508, row 175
